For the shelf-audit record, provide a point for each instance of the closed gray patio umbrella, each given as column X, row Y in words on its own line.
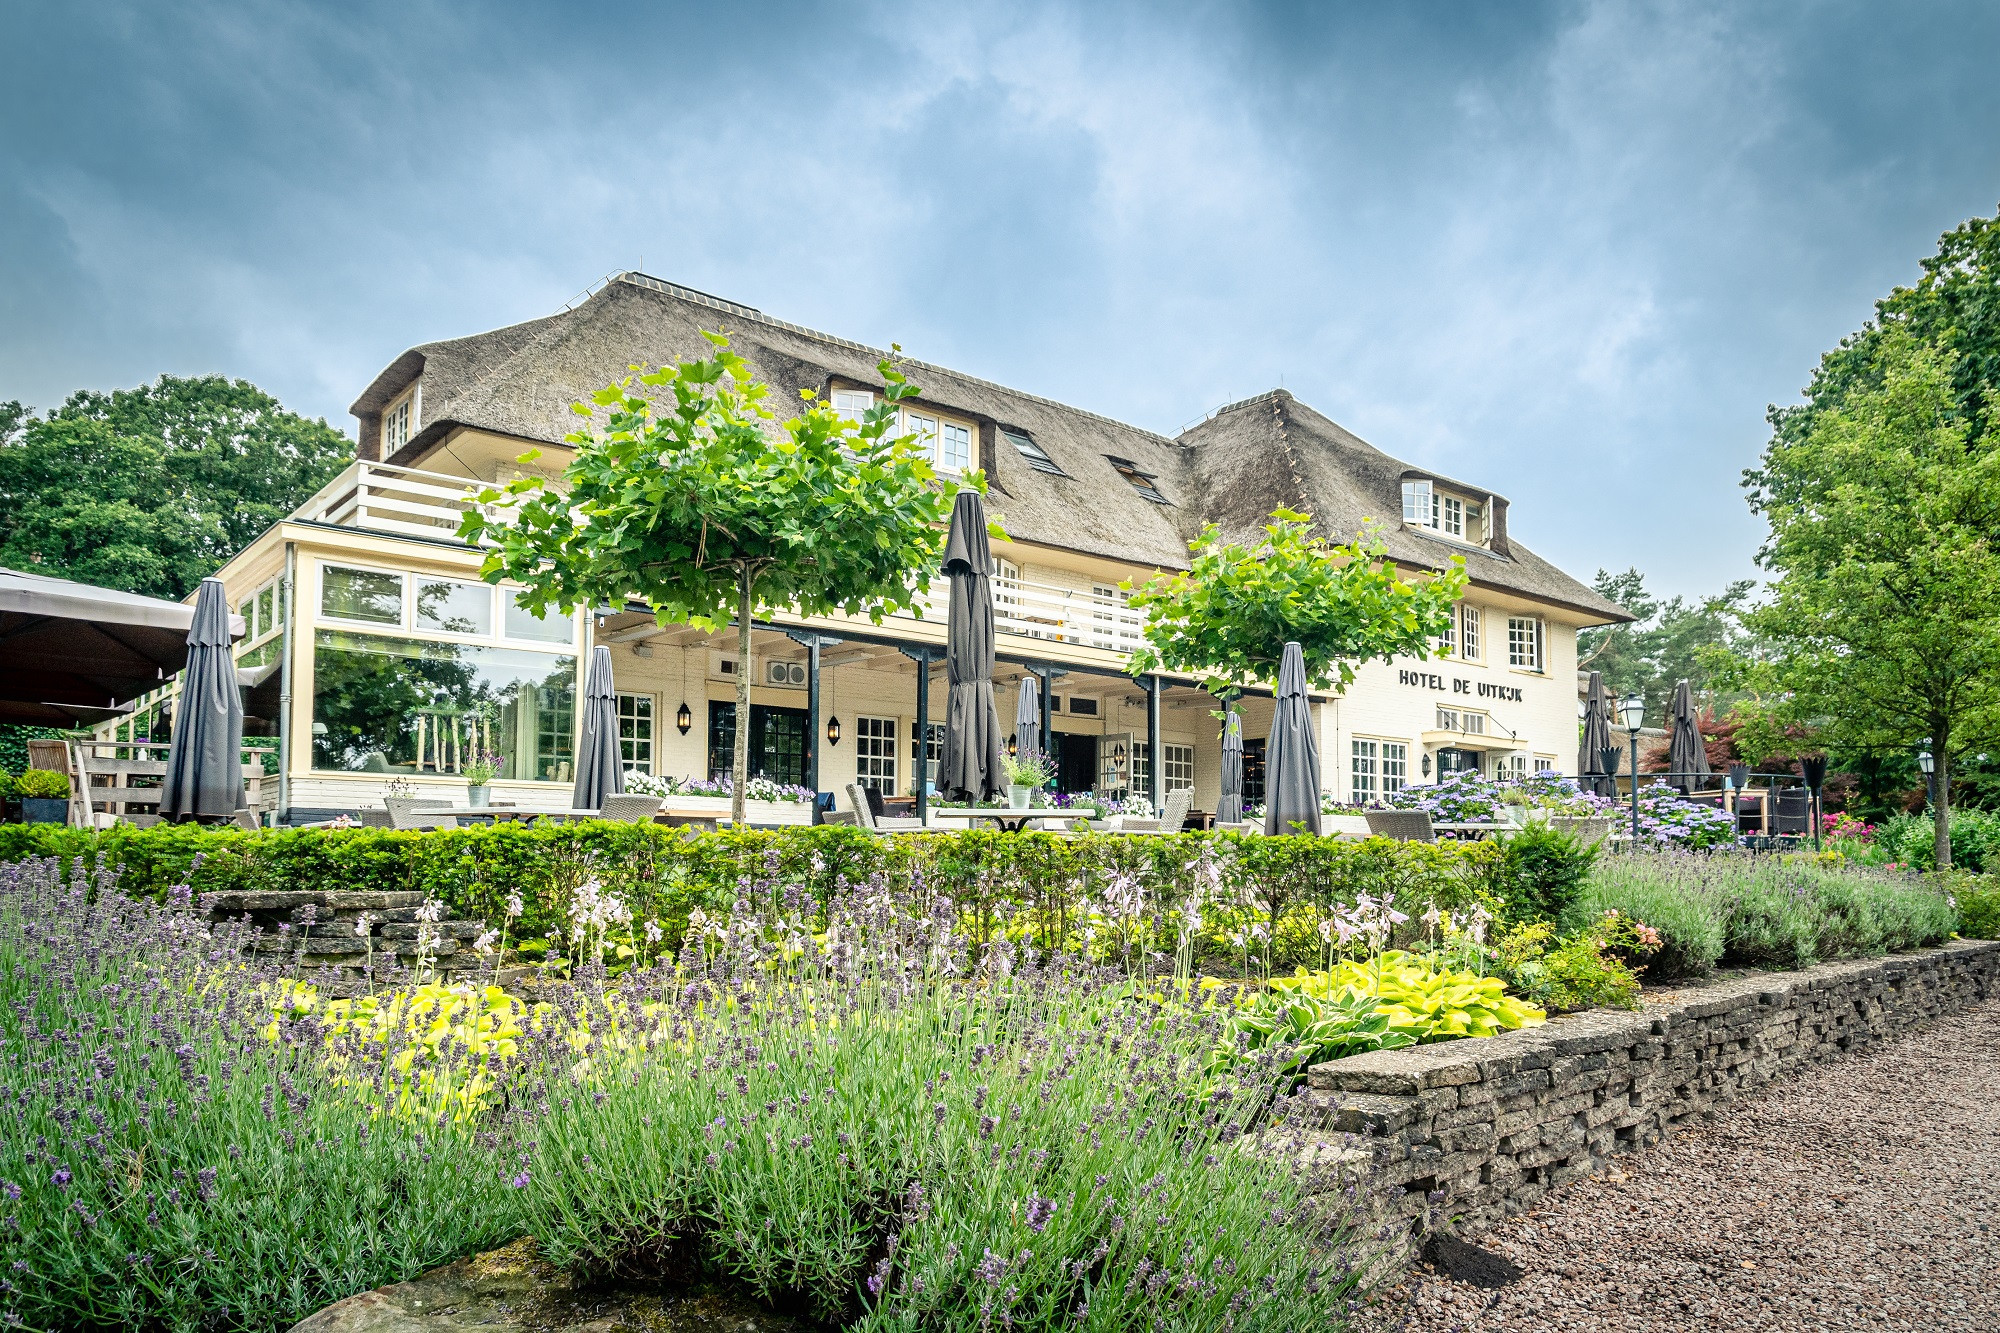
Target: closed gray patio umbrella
column 205, row 761
column 599, row 772
column 1687, row 757
column 1229, row 809
column 1028, row 720
column 1595, row 738
column 1291, row 756
column 969, row 769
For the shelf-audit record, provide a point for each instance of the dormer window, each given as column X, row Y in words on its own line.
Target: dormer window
column 1453, row 516
column 1142, row 482
column 399, row 422
column 852, row 404
column 1038, row 457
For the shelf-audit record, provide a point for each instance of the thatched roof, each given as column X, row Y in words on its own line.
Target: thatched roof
column 1234, row 468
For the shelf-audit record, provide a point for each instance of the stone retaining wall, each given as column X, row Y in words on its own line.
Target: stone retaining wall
column 321, row 933
column 1458, row 1135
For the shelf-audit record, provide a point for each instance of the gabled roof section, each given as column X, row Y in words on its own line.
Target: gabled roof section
column 1255, row 456
column 520, row 381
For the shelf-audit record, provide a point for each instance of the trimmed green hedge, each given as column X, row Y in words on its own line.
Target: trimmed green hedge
column 1030, row 886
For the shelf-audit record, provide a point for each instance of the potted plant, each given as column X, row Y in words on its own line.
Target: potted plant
column 483, row 767
column 44, row 796
column 1025, row 773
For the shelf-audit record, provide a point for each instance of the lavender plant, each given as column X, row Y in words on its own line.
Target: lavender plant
column 175, row 1155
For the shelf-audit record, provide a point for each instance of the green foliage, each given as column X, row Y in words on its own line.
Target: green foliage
column 1778, row 912
column 1425, row 1001
column 688, row 502
column 1909, row 841
column 6, row 784
column 42, row 784
column 1584, row 971
column 151, row 489
column 1310, row 1028
column 1672, row 641
column 1033, row 888
column 1978, row 908
column 1229, row 616
column 1883, row 624
column 1541, row 871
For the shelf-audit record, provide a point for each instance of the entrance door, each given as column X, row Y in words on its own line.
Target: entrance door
column 1454, row 760
column 777, row 742
column 1076, row 762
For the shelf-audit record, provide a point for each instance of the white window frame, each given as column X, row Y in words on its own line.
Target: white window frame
column 852, row 404
column 401, row 419
column 1447, row 718
column 1448, row 644
column 1176, row 767
column 925, row 428
column 1364, row 769
column 1419, row 504
column 1545, row 763
column 1394, row 764
column 1526, row 644
column 1510, row 768
column 649, row 744
column 875, row 758
column 1454, row 517
column 1468, row 638
column 403, row 616
column 949, row 459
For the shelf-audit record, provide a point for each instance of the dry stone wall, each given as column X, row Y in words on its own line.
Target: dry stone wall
column 1456, row 1136
column 324, row 937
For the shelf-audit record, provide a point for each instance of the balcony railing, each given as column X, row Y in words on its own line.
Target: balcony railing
column 379, row 497
column 404, row 500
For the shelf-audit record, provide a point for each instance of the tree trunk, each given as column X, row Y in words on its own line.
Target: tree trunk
column 740, row 769
column 1941, row 807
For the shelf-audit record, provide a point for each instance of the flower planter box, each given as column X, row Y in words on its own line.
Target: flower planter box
column 754, row 812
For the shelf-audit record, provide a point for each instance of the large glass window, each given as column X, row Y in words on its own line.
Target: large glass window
column 522, row 623
column 361, row 594
column 392, row 705
column 635, row 731
column 777, row 742
column 955, row 448
column 454, row 607
column 1365, row 761
column 1468, row 617
column 1253, row 771
column 1524, row 642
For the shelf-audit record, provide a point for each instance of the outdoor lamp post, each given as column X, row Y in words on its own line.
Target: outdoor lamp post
column 1812, row 768
column 1632, row 711
column 1929, row 766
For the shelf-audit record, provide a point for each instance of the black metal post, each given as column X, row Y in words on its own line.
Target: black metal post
column 1813, row 769
column 923, row 657
column 1153, row 776
column 1048, row 676
column 813, row 643
column 1635, row 790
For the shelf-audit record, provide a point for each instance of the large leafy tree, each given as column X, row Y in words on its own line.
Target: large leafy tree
column 1228, row 617
column 1672, row 640
column 692, row 500
column 1883, row 627
column 151, row 489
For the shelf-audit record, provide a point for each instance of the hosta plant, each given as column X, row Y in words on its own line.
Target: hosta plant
column 1428, row 1003
column 1309, row 1028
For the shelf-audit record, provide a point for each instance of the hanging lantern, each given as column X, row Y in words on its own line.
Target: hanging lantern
column 683, row 718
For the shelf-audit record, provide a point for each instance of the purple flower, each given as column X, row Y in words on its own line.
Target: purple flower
column 61, row 1178
column 520, row 1182
column 10, row 1189
column 1038, row 1212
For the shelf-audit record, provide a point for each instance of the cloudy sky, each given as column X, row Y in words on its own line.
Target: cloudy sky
column 1568, row 250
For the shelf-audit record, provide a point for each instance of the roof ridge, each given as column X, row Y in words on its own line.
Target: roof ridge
column 754, row 315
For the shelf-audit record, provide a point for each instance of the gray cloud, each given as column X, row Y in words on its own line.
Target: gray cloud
column 1571, row 250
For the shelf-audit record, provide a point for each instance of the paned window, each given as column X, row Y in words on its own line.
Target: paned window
column 361, row 594
column 1253, row 770
column 1366, row 770
column 1454, row 516
column 1524, row 642
column 954, row 448
column 1395, row 766
column 852, row 403
column 1468, row 638
column 635, row 731
column 924, row 429
column 1419, row 503
column 933, row 752
column 1545, row 763
column 1177, row 765
column 875, row 753
column 398, row 423
column 1511, row 768
column 1038, row 457
column 1447, row 719
column 1448, row 644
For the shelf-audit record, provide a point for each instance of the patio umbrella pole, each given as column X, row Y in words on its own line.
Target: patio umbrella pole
column 205, row 759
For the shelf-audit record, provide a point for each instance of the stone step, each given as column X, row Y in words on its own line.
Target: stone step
column 460, row 930
column 311, row 947
column 234, row 902
column 1378, row 1114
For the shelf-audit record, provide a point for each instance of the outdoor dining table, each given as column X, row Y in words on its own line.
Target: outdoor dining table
column 1007, row 821
column 1477, row 830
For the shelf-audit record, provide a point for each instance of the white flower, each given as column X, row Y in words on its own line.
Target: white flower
column 484, row 944
column 431, row 912
column 513, row 905
column 362, row 925
column 1432, row 917
column 653, row 932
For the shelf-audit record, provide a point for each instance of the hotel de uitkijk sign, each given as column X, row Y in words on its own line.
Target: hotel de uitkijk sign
column 1425, row 680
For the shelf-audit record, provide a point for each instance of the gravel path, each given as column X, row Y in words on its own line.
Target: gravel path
column 1857, row 1195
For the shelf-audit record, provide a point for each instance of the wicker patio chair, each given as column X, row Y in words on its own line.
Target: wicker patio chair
column 1402, row 825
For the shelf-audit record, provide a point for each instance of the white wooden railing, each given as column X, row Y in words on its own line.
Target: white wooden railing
column 383, row 498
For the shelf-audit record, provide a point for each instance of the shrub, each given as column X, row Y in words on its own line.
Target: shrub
column 1684, row 898
column 42, row 784
column 1428, row 1002
column 1978, row 908
column 1584, row 971
column 1134, row 892
column 1909, row 841
column 1541, row 871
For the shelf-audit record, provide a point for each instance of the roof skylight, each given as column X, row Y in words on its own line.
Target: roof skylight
column 1142, row 482
column 1038, row 457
